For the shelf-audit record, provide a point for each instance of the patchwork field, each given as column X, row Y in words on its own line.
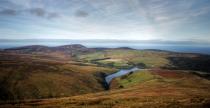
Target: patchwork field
column 125, row 58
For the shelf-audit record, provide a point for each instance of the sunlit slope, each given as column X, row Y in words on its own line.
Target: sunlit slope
column 124, row 58
column 148, row 76
column 149, row 88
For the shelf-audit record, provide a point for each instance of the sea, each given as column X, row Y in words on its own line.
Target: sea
column 176, row 47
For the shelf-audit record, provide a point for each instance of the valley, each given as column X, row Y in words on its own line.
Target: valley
column 75, row 76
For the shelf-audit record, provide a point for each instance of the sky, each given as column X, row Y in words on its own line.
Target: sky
column 178, row 20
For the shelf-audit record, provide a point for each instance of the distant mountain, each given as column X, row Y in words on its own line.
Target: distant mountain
column 28, row 49
column 125, row 48
column 66, row 49
column 72, row 49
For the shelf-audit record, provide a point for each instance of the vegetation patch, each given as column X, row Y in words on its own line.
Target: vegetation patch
column 134, row 78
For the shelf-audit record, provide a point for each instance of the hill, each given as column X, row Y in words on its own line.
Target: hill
column 30, row 77
column 43, row 76
column 65, row 52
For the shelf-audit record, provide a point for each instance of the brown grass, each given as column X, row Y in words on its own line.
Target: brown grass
column 172, row 92
column 23, row 77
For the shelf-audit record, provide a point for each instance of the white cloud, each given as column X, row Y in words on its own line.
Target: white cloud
column 105, row 19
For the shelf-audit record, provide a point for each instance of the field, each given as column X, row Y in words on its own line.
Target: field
column 125, row 58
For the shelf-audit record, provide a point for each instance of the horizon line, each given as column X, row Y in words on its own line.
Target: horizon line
column 117, row 40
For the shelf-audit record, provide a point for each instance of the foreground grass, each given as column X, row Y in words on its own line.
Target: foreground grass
column 155, row 88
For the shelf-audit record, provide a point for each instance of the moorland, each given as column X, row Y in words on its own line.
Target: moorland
column 74, row 76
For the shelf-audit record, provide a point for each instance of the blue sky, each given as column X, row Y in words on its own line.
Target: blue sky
column 105, row 19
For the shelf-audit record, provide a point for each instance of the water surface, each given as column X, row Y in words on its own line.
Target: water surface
column 120, row 73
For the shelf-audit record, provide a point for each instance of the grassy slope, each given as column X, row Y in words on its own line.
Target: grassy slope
column 124, row 58
column 132, row 79
column 178, row 77
column 22, row 77
column 152, row 88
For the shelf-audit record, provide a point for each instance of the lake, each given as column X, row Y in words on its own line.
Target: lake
column 121, row 72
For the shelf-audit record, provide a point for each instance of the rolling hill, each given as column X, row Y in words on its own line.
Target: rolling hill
column 73, row 76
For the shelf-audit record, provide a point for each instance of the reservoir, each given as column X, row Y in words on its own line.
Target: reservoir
column 120, row 73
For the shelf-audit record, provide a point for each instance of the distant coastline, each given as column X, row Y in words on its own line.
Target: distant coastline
column 185, row 47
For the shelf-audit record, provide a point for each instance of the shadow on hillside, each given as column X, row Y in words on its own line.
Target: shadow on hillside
column 199, row 63
column 101, row 80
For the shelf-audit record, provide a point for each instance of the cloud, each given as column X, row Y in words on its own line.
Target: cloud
column 8, row 12
column 167, row 11
column 81, row 13
column 41, row 12
column 137, row 19
column 53, row 15
column 38, row 12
